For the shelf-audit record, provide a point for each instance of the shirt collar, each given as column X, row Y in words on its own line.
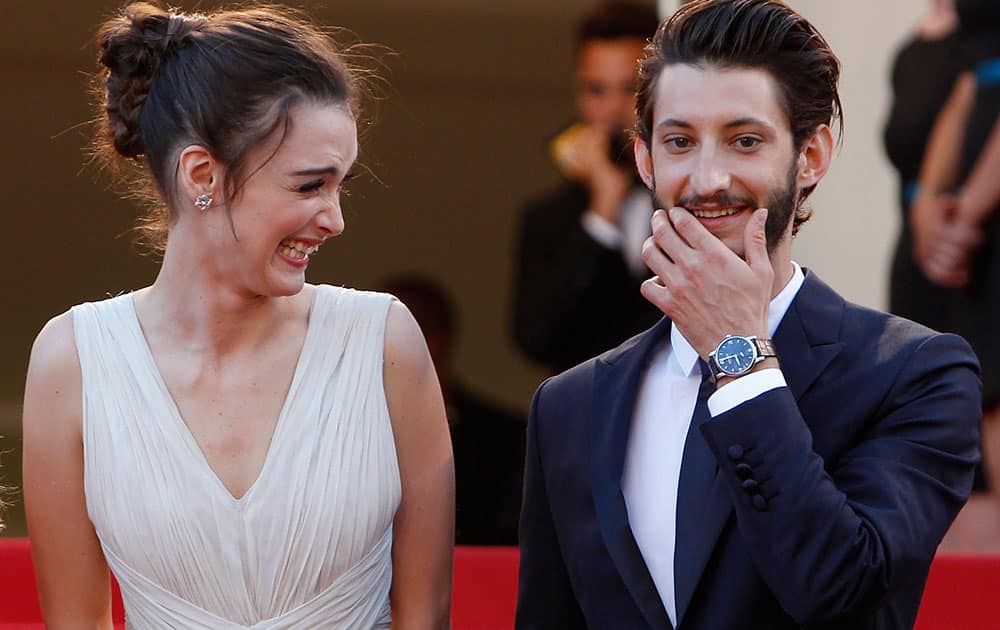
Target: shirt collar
column 685, row 357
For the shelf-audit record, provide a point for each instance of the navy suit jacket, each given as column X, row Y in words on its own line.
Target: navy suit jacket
column 859, row 466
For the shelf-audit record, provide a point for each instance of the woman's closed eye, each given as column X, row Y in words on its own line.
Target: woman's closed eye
column 312, row 186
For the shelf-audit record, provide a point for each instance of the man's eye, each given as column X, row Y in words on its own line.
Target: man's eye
column 747, row 142
column 677, row 143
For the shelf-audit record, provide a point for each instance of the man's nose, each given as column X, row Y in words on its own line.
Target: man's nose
column 709, row 174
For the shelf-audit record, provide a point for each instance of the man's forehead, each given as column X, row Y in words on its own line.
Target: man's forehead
column 708, row 95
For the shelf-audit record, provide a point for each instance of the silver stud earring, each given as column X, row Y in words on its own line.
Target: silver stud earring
column 203, row 202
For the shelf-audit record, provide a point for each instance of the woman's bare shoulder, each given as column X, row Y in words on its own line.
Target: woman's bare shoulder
column 53, row 382
column 54, row 349
column 405, row 348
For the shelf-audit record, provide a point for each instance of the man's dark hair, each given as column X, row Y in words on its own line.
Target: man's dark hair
column 617, row 20
column 761, row 34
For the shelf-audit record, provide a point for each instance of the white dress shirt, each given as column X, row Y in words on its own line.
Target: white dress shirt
column 629, row 233
column 665, row 404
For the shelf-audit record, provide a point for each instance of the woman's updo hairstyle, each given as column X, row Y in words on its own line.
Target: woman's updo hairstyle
column 224, row 81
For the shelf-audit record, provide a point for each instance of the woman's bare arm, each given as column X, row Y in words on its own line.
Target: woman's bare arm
column 940, row 165
column 943, row 245
column 980, row 195
column 424, row 529
column 73, row 579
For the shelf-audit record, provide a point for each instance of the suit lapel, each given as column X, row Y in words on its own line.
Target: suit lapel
column 806, row 341
column 616, row 386
column 808, row 337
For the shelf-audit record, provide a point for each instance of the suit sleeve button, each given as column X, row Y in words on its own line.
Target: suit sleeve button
column 735, row 452
column 759, row 502
column 750, row 486
column 743, row 471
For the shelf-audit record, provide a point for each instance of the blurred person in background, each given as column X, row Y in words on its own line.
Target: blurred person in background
column 579, row 251
column 241, row 448
column 923, row 74
column 956, row 240
column 488, row 440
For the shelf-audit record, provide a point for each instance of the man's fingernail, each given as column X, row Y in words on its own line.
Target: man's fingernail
column 675, row 213
column 763, row 216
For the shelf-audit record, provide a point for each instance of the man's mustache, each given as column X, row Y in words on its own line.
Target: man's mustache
column 721, row 200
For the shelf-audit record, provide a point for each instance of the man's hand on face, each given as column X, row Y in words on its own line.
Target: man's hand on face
column 588, row 162
column 703, row 286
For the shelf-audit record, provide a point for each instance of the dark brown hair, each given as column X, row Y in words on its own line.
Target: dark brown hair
column 762, row 34
column 617, row 19
column 225, row 81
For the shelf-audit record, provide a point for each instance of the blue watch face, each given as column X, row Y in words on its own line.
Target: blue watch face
column 735, row 355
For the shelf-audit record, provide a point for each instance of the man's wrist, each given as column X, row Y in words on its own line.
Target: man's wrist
column 769, row 362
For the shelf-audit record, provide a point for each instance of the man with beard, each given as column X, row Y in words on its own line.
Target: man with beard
column 579, row 251
column 768, row 455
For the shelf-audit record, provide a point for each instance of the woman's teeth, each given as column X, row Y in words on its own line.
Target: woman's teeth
column 714, row 214
column 296, row 249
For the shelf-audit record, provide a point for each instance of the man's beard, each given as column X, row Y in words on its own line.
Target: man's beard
column 781, row 205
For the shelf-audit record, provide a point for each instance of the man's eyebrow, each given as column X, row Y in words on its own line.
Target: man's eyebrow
column 748, row 121
column 674, row 122
column 738, row 122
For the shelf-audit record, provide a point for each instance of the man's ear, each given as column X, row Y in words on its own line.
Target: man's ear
column 815, row 157
column 198, row 173
column 643, row 162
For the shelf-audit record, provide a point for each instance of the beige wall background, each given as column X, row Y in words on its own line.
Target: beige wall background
column 456, row 146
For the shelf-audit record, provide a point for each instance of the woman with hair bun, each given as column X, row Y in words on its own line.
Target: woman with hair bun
column 241, row 448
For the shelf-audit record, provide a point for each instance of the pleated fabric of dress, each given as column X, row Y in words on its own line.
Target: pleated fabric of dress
column 308, row 545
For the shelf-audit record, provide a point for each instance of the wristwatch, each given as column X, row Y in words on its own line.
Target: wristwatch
column 736, row 356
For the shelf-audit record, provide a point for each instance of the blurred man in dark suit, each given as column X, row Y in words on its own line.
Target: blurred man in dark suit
column 579, row 259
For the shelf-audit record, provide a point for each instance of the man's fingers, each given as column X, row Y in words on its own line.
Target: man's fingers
column 666, row 236
column 656, row 293
column 692, row 231
column 755, row 241
column 656, row 260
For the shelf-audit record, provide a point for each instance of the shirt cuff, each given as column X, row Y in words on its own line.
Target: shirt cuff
column 739, row 391
column 601, row 230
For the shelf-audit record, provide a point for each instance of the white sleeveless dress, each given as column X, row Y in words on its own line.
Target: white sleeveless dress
column 308, row 545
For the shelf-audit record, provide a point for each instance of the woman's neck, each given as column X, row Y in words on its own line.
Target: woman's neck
column 200, row 309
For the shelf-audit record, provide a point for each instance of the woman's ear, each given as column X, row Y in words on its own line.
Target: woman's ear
column 198, row 173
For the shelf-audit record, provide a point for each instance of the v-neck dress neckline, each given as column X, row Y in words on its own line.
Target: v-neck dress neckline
column 184, row 429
